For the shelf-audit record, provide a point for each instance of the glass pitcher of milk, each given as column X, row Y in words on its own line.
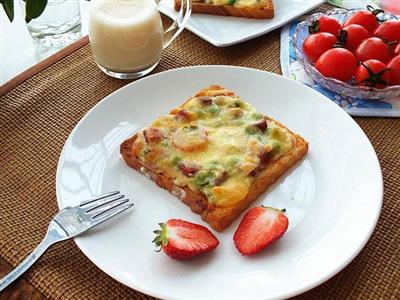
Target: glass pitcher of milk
column 127, row 36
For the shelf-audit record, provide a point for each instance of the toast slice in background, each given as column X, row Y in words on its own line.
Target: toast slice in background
column 255, row 9
column 215, row 153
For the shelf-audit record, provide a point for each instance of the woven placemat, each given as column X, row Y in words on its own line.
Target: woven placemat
column 36, row 118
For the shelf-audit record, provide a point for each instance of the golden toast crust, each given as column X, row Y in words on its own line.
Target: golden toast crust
column 219, row 217
column 265, row 12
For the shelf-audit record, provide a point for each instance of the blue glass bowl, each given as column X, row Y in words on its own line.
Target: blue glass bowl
column 349, row 89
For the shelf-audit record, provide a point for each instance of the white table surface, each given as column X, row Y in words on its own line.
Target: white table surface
column 17, row 50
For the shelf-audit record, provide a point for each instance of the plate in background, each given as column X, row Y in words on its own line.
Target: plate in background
column 224, row 31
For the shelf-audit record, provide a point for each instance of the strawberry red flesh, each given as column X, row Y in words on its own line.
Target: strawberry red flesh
column 184, row 240
column 259, row 228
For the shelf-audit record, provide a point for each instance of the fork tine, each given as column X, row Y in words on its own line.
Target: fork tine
column 108, row 208
column 103, row 203
column 101, row 197
column 111, row 213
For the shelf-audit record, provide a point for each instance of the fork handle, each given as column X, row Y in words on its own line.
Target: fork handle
column 27, row 262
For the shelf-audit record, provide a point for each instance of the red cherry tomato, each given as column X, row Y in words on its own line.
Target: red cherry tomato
column 372, row 73
column 389, row 30
column 394, row 71
column 365, row 18
column 325, row 24
column 354, row 35
column 397, row 49
column 337, row 63
column 316, row 44
column 373, row 48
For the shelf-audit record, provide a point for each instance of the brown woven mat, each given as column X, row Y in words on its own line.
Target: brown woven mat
column 13, row 82
column 37, row 116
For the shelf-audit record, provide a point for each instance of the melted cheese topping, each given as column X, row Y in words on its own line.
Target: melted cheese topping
column 214, row 144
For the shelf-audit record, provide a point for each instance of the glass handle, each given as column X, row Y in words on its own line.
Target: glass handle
column 179, row 23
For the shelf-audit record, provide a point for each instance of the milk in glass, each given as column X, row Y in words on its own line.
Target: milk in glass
column 126, row 36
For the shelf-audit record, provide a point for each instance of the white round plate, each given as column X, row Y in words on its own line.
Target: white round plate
column 333, row 197
column 222, row 31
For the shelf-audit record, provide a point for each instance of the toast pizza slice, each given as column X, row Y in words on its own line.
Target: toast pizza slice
column 256, row 9
column 215, row 153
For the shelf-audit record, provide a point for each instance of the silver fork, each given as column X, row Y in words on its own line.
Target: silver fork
column 70, row 222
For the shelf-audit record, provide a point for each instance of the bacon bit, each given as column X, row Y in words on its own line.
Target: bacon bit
column 221, row 178
column 201, row 204
column 254, row 172
column 207, row 101
column 188, row 170
column 145, row 136
column 183, row 115
column 262, row 125
column 152, row 135
column 264, row 158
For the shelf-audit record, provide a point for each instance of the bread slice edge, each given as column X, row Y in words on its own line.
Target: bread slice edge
column 264, row 12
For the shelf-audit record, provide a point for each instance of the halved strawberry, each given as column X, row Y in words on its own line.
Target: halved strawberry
column 182, row 240
column 259, row 227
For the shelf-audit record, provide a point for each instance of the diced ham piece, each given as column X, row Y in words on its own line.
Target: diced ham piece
column 152, row 135
column 188, row 170
column 221, row 178
column 183, row 115
column 264, row 158
column 204, row 100
column 262, row 125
